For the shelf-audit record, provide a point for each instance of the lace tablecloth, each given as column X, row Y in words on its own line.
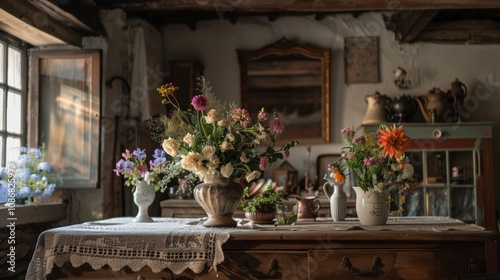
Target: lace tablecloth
column 176, row 244
column 180, row 244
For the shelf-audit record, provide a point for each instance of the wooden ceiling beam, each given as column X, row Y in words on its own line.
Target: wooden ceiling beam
column 34, row 26
column 411, row 23
column 462, row 32
column 304, row 5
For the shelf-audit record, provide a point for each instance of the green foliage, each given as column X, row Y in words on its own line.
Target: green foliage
column 265, row 201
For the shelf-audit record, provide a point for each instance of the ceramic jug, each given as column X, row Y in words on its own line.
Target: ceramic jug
column 308, row 207
column 338, row 199
column 433, row 105
column 378, row 108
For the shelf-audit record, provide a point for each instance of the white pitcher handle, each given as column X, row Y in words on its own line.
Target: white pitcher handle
column 325, row 189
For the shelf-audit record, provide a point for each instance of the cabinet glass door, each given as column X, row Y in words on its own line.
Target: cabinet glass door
column 447, row 184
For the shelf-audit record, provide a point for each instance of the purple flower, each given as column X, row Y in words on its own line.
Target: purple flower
column 139, row 154
column 120, row 166
column 199, row 102
column 277, row 126
column 127, row 166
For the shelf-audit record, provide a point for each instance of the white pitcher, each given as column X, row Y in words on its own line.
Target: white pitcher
column 338, row 200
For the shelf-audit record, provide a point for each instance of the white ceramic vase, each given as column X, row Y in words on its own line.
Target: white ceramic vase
column 338, row 200
column 144, row 195
column 372, row 207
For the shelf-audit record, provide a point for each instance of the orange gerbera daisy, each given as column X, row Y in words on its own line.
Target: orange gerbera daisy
column 394, row 141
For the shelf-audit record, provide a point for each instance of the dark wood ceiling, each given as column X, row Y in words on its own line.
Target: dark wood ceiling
column 448, row 21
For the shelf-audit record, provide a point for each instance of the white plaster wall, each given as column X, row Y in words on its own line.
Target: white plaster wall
column 428, row 65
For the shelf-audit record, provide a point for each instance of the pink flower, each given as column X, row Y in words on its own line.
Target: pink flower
column 348, row 132
column 262, row 116
column 369, row 161
column 199, row 102
column 142, row 169
column 359, row 140
column 277, row 126
column 264, row 163
column 287, row 153
column 241, row 115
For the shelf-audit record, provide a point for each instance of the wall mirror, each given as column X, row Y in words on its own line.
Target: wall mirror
column 293, row 81
column 64, row 105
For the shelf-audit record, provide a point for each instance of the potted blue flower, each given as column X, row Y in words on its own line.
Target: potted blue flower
column 27, row 177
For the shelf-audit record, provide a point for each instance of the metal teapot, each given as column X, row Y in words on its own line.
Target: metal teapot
column 433, row 105
column 402, row 108
column 378, row 108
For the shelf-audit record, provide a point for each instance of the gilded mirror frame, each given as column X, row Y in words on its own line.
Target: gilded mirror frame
column 301, row 65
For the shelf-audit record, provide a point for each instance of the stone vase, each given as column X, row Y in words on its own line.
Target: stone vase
column 219, row 197
column 261, row 217
column 144, row 195
column 372, row 207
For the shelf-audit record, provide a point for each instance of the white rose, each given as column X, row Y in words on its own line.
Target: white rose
column 208, row 151
column 211, row 116
column 244, row 158
column 149, row 177
column 171, row 146
column 227, row 170
column 408, row 171
column 230, row 137
column 226, row 146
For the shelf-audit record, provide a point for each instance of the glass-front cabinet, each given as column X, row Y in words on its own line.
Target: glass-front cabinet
column 455, row 167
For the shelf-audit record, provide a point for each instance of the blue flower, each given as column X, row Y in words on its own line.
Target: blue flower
column 35, row 177
column 34, row 152
column 23, row 174
column 4, row 193
column 139, row 154
column 23, row 160
column 23, row 192
column 44, row 166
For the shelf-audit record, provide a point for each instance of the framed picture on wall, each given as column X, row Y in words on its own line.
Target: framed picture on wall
column 64, row 105
column 361, row 60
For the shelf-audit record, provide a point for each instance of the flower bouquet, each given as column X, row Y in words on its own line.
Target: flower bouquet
column 219, row 144
column 378, row 162
column 216, row 139
column 134, row 168
column 27, row 177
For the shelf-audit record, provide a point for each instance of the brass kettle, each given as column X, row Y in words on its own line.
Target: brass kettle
column 433, row 105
